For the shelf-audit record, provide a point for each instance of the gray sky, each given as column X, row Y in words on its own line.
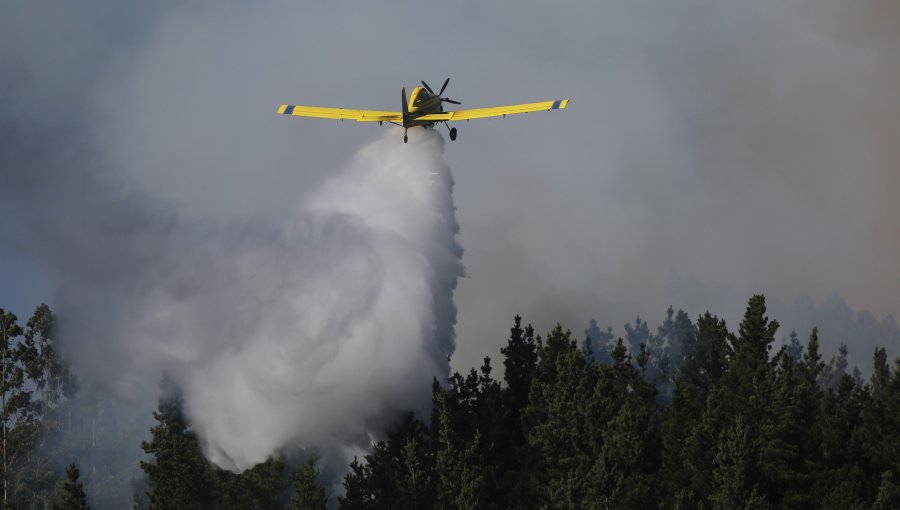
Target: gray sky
column 710, row 151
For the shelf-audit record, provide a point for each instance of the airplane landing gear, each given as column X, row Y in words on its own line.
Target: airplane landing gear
column 452, row 131
column 405, row 138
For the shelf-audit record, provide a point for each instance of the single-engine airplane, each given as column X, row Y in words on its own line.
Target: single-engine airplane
column 424, row 108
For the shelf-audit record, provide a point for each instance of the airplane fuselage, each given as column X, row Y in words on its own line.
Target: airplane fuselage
column 422, row 103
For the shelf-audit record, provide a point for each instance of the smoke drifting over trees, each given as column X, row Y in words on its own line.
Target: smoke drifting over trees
column 307, row 330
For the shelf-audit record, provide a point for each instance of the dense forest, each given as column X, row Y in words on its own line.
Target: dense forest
column 693, row 415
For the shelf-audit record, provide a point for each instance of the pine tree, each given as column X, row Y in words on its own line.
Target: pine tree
column 495, row 424
column 659, row 347
column 554, row 421
column 667, row 351
column 460, row 482
column 793, row 347
column 178, row 474
column 692, row 425
column 417, row 486
column 72, row 496
column 598, row 343
column 705, row 353
column 309, row 494
column 629, row 457
column 888, row 497
column 881, row 419
column 261, row 486
column 382, row 479
column 622, row 431
column 740, row 405
column 735, row 488
column 747, row 381
column 881, row 373
column 811, row 365
column 751, row 351
column 842, row 479
column 788, row 439
column 520, row 364
column 687, row 459
column 637, row 335
column 356, row 487
column 836, row 368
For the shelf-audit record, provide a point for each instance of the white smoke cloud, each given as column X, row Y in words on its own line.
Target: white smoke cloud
column 312, row 331
column 355, row 326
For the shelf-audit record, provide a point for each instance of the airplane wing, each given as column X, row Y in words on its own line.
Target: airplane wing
column 340, row 113
column 496, row 111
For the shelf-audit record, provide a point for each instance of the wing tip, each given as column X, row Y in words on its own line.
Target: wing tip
column 286, row 109
column 560, row 104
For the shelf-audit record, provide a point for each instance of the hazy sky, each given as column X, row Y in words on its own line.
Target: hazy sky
column 710, row 150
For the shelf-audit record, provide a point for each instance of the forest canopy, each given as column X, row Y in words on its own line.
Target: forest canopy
column 691, row 415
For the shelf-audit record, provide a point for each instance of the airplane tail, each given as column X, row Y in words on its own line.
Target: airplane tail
column 404, row 113
column 405, row 110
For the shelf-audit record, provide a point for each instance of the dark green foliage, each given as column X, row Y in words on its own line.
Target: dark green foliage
column 842, row 480
column 398, row 473
column 262, row 486
column 788, row 454
column 460, row 481
column 689, row 415
column 744, row 427
column 555, row 422
column 520, row 362
column 417, row 485
column 705, row 353
column 179, row 476
column 735, row 481
column 309, row 493
column 72, row 496
column 888, row 496
column 687, row 448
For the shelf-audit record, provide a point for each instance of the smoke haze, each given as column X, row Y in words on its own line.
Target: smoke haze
column 711, row 151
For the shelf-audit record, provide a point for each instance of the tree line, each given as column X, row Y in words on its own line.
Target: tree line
column 35, row 384
column 692, row 415
column 40, row 471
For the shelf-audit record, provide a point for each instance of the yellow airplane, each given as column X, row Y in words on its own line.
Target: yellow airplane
column 424, row 108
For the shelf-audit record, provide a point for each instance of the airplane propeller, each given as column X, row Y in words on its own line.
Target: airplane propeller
column 443, row 88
